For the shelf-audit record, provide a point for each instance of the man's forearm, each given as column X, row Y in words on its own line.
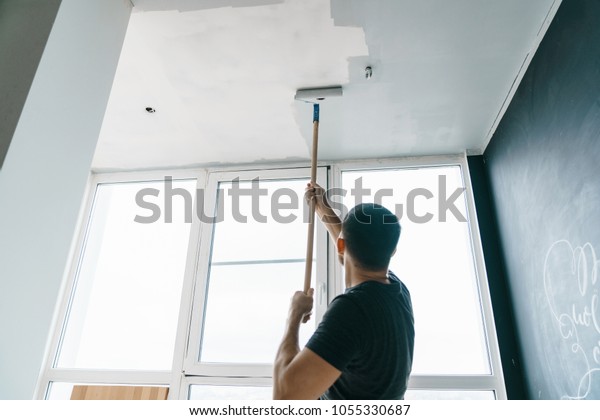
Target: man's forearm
column 331, row 221
column 288, row 349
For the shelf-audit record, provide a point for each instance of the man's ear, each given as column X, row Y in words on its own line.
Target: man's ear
column 341, row 246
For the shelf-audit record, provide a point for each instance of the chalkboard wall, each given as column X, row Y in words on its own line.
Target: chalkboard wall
column 544, row 169
column 497, row 279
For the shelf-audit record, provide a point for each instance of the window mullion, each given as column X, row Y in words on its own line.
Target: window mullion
column 188, row 291
column 115, row 377
column 483, row 284
column 454, row 382
column 201, row 275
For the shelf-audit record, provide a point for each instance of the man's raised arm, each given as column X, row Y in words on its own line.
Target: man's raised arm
column 324, row 210
column 300, row 374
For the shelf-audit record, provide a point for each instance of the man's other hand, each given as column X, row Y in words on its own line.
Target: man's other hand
column 317, row 193
column 301, row 306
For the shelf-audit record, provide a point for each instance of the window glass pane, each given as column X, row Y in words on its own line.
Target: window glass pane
column 60, row 391
column 255, row 227
column 437, row 394
column 125, row 306
column 227, row 392
column 246, row 311
column 435, row 260
column 257, row 263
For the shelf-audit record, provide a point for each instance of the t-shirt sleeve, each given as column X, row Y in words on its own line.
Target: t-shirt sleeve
column 340, row 336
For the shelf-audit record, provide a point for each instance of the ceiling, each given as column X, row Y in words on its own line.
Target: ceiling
column 221, row 76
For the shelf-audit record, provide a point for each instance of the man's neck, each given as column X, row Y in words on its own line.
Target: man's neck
column 357, row 275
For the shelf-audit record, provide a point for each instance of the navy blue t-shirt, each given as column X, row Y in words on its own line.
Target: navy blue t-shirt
column 368, row 334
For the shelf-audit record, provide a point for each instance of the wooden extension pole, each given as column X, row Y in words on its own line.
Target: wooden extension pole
column 311, row 212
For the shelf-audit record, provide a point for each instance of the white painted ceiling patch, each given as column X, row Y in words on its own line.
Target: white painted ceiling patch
column 221, row 76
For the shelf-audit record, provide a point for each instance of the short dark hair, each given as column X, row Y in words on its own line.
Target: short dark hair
column 371, row 233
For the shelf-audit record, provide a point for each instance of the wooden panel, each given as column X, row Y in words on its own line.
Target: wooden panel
column 118, row 392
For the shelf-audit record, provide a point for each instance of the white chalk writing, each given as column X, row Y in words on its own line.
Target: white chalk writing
column 563, row 265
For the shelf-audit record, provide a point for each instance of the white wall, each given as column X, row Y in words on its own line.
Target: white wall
column 42, row 181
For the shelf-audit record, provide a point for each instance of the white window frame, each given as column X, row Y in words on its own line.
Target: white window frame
column 49, row 373
column 188, row 381
column 192, row 366
column 487, row 382
column 186, row 371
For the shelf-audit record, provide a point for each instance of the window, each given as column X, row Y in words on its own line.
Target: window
column 255, row 266
column 183, row 278
column 224, row 392
column 221, row 389
column 136, row 270
column 254, row 260
column 463, row 394
column 436, row 259
column 121, row 316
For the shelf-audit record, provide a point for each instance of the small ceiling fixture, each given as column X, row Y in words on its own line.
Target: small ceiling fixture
column 150, row 110
column 368, row 72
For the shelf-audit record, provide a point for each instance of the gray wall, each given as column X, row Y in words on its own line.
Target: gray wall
column 44, row 175
column 24, row 29
column 544, row 168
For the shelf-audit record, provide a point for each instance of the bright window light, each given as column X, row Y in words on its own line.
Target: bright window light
column 435, row 260
column 448, row 394
column 227, row 392
column 200, row 304
column 124, row 311
column 256, row 266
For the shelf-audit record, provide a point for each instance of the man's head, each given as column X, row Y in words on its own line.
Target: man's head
column 370, row 233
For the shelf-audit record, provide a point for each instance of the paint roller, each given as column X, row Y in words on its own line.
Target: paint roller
column 314, row 97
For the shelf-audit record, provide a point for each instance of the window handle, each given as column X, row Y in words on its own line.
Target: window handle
column 322, row 292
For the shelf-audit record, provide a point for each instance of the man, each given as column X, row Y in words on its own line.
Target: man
column 363, row 348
